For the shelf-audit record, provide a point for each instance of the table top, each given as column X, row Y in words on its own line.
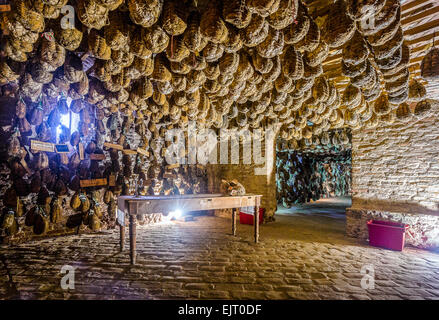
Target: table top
column 184, row 196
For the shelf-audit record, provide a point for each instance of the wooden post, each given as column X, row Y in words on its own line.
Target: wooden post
column 122, row 237
column 133, row 238
column 234, row 221
column 256, row 223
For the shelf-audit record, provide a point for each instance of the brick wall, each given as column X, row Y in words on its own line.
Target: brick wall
column 395, row 176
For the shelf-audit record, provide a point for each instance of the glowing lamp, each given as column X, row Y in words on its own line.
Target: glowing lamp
column 176, row 214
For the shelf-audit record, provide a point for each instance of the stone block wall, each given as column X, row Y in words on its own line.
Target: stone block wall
column 255, row 184
column 423, row 229
column 395, row 176
column 264, row 185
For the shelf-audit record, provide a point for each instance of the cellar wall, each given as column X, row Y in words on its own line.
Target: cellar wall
column 262, row 184
column 395, row 174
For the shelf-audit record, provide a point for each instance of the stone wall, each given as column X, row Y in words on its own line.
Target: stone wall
column 264, row 185
column 423, row 229
column 395, row 176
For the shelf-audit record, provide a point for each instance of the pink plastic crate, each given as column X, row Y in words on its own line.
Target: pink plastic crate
column 246, row 218
column 386, row 234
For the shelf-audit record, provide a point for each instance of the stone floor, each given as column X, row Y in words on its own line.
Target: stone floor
column 300, row 256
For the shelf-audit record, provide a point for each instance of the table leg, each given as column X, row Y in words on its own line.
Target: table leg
column 256, row 223
column 122, row 237
column 234, row 221
column 133, row 223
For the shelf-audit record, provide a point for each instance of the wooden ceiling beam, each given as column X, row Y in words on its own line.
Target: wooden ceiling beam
column 419, row 19
column 431, row 25
column 319, row 8
column 420, row 16
column 423, row 40
column 334, row 64
column 412, row 6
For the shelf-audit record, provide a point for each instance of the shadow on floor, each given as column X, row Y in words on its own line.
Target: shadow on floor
column 318, row 221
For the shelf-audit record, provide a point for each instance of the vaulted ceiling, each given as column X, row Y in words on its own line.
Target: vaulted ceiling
column 420, row 21
column 233, row 64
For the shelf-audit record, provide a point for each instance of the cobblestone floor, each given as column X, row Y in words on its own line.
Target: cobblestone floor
column 299, row 257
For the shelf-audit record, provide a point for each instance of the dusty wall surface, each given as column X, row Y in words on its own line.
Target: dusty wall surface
column 264, row 185
column 395, row 176
column 397, row 166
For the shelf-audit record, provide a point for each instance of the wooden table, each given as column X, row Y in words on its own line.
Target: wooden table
column 134, row 205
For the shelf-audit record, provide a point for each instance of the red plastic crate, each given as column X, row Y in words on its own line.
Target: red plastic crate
column 247, row 218
column 386, row 234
